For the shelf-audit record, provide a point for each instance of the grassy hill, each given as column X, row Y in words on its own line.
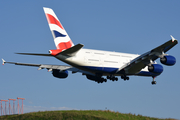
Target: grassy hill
column 77, row 115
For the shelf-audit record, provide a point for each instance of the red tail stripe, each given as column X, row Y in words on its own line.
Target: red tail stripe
column 64, row 45
column 54, row 52
column 52, row 20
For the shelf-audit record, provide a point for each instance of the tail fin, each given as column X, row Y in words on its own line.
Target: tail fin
column 61, row 38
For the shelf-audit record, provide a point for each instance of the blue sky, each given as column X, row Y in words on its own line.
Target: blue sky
column 121, row 26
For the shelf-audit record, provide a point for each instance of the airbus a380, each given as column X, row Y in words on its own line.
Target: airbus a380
column 99, row 65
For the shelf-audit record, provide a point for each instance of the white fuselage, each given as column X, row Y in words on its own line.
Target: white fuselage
column 99, row 61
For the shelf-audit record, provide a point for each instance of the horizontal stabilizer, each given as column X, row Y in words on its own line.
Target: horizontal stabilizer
column 34, row 54
column 73, row 50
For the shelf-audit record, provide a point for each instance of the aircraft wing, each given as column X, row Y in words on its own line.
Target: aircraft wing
column 50, row 67
column 147, row 58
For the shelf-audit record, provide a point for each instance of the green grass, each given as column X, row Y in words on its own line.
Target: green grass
column 77, row 115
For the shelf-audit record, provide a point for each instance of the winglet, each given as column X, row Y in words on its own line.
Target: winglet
column 3, row 61
column 172, row 38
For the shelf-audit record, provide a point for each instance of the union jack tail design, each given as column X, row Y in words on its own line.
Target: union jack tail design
column 61, row 38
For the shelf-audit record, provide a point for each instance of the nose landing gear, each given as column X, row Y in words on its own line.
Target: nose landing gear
column 153, row 82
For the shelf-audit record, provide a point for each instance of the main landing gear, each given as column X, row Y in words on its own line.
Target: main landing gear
column 124, row 77
column 113, row 78
column 153, row 82
column 101, row 80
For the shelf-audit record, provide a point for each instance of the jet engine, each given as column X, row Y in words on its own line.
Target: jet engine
column 60, row 74
column 168, row 60
column 155, row 68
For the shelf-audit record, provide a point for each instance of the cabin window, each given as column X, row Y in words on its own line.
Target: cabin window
column 111, row 61
column 99, row 53
column 114, row 55
column 126, row 56
column 93, row 60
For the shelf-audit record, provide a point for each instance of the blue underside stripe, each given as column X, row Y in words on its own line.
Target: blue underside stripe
column 102, row 69
column 114, row 70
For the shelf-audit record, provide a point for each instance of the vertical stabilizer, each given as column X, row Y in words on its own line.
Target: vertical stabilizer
column 61, row 38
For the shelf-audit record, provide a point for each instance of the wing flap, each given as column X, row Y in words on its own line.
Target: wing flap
column 57, row 67
column 137, row 64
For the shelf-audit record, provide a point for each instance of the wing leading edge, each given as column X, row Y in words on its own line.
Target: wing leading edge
column 137, row 64
column 50, row 67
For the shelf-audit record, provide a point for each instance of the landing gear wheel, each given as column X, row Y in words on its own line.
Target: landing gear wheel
column 153, row 82
column 113, row 78
column 124, row 77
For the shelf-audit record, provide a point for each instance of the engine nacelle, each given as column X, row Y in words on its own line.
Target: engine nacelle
column 60, row 74
column 168, row 60
column 155, row 68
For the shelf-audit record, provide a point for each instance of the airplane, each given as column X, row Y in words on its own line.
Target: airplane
column 98, row 65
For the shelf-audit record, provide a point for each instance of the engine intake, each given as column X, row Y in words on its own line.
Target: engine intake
column 60, row 74
column 168, row 60
column 155, row 68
